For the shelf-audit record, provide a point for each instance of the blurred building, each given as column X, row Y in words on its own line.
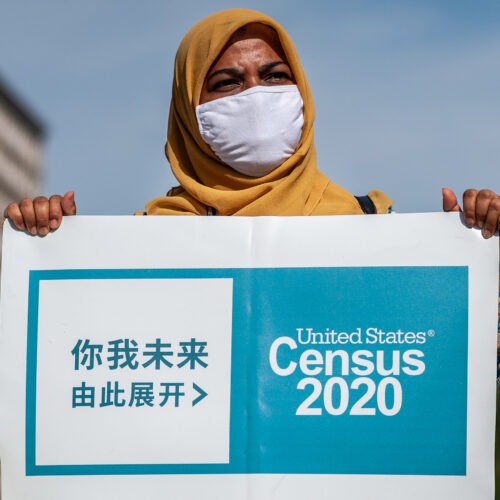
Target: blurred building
column 21, row 137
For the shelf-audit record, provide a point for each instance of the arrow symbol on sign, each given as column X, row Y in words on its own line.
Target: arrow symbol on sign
column 201, row 392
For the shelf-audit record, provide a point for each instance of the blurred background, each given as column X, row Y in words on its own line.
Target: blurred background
column 407, row 95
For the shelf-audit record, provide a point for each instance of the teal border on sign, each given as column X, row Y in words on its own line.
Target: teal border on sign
column 283, row 442
column 32, row 468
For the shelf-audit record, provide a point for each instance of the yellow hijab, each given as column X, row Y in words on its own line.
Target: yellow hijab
column 296, row 187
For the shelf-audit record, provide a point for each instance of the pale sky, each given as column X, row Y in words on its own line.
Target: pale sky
column 407, row 93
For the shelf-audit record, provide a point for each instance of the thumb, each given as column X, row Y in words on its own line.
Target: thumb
column 68, row 203
column 450, row 202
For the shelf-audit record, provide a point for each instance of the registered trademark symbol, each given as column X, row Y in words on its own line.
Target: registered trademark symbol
column 431, row 333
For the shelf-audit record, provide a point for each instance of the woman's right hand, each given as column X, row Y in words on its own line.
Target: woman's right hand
column 40, row 215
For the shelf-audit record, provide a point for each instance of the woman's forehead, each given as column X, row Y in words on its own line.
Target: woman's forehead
column 256, row 31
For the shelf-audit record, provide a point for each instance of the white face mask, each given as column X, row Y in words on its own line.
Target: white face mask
column 254, row 131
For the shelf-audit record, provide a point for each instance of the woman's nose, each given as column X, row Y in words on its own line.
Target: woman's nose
column 252, row 81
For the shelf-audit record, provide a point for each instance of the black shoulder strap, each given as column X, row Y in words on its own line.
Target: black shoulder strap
column 366, row 204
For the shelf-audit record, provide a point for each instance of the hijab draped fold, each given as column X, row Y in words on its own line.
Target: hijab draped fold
column 296, row 187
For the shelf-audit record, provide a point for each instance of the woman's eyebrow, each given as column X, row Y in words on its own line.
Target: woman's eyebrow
column 270, row 65
column 235, row 72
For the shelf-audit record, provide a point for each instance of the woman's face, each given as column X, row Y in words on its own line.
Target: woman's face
column 253, row 56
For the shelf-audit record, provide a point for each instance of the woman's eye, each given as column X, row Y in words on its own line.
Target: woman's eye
column 225, row 84
column 279, row 76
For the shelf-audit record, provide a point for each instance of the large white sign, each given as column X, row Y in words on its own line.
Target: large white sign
column 253, row 358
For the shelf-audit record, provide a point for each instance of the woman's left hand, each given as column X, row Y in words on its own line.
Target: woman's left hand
column 481, row 208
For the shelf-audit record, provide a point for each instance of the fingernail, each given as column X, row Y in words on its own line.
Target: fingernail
column 53, row 223
column 43, row 231
column 469, row 221
column 486, row 233
column 33, row 230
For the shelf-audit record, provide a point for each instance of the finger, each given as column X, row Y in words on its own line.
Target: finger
column 68, row 203
column 28, row 213
column 55, row 212
column 492, row 220
column 469, row 207
column 450, row 202
column 483, row 201
column 41, row 206
column 13, row 212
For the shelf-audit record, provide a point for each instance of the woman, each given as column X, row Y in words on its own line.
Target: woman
column 240, row 136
